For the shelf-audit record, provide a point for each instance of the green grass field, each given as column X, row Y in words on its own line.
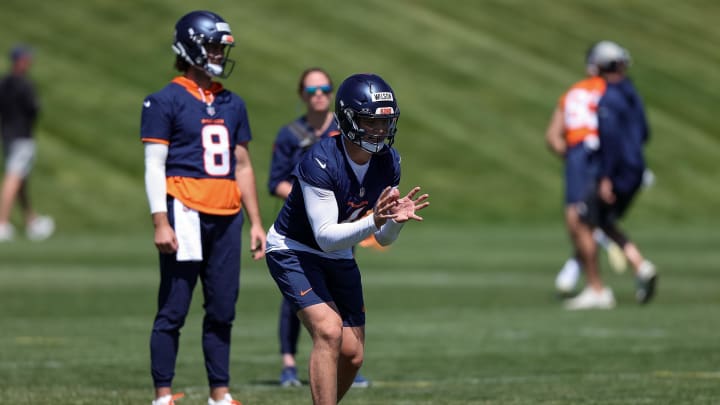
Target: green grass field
column 462, row 309
column 474, row 321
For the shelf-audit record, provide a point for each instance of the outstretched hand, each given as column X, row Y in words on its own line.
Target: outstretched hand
column 391, row 206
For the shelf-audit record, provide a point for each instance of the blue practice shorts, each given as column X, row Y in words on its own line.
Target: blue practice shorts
column 306, row 279
column 581, row 171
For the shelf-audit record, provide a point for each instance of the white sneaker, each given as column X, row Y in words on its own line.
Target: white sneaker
column 645, row 282
column 228, row 400
column 568, row 276
column 7, row 232
column 616, row 258
column 591, row 299
column 40, row 228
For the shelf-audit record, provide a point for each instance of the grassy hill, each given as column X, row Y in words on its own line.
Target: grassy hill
column 477, row 81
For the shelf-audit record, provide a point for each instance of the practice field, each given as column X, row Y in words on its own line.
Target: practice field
column 455, row 316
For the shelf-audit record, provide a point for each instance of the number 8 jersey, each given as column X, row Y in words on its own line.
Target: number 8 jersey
column 202, row 129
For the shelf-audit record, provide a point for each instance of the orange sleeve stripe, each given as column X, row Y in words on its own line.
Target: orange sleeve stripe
column 155, row 140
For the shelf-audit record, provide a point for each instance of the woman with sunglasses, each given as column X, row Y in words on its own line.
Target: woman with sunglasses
column 315, row 89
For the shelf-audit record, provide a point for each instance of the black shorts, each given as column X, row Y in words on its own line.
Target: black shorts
column 597, row 213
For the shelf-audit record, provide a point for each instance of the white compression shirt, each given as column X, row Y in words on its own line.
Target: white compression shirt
column 335, row 240
column 322, row 212
column 155, row 186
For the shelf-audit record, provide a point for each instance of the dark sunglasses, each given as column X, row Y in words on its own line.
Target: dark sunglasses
column 311, row 90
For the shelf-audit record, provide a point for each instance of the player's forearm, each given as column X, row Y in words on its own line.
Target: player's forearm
column 388, row 233
column 248, row 192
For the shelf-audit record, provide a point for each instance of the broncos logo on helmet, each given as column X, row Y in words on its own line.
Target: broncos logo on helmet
column 196, row 29
column 366, row 111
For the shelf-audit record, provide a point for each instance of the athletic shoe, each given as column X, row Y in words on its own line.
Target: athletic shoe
column 40, row 228
column 645, row 282
column 7, row 232
column 591, row 299
column 616, row 258
column 168, row 399
column 568, row 276
column 228, row 400
column 288, row 377
column 360, row 381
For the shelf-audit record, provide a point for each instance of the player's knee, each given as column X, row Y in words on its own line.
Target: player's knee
column 328, row 332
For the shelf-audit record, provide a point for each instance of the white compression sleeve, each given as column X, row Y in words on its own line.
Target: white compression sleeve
column 322, row 212
column 155, row 186
column 388, row 232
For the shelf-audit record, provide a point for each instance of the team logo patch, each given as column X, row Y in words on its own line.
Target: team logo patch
column 382, row 96
column 384, row 111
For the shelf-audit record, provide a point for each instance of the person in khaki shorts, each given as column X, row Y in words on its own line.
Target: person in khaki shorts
column 19, row 108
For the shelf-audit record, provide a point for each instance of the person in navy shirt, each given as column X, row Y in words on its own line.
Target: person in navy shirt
column 623, row 132
column 199, row 180
column 309, row 246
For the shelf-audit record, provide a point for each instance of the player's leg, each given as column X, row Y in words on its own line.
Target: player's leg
column 288, row 333
column 301, row 278
column 578, row 182
column 345, row 285
column 17, row 166
column 581, row 218
column 352, row 353
column 568, row 276
column 177, row 281
column 221, row 284
column 645, row 272
column 616, row 256
column 10, row 186
column 325, row 326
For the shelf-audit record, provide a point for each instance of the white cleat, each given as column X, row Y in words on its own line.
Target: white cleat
column 40, row 228
column 567, row 278
column 168, row 399
column 591, row 299
column 228, row 400
column 7, row 232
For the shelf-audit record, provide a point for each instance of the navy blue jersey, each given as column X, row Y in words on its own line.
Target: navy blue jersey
column 291, row 143
column 326, row 166
column 201, row 129
column 623, row 132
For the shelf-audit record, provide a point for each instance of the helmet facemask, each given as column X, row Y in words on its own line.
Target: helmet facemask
column 371, row 132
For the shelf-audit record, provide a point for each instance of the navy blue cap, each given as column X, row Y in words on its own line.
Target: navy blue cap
column 19, row 51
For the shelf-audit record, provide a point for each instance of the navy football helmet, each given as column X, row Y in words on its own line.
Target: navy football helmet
column 606, row 56
column 195, row 30
column 366, row 111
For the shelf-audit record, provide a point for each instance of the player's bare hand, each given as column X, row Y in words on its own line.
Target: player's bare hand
column 382, row 211
column 165, row 239
column 405, row 208
column 257, row 242
column 606, row 191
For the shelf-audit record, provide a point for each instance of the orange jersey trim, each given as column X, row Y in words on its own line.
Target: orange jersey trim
column 579, row 106
column 194, row 89
column 209, row 196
